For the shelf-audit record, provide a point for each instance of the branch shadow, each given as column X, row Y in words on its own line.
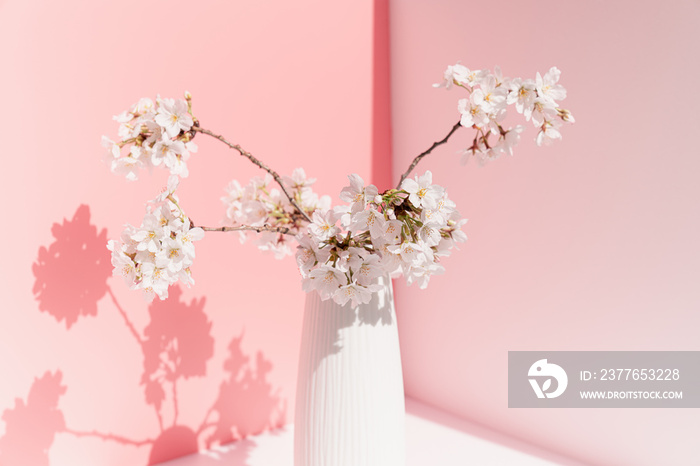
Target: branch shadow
column 71, row 276
column 242, row 398
column 235, row 454
column 177, row 346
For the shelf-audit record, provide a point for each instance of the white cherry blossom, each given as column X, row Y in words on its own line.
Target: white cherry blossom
column 113, row 149
column 124, row 265
column 173, row 116
column 144, row 106
column 422, row 192
column 549, row 132
column 357, row 194
column 510, row 140
column 308, row 254
column 488, row 96
column 130, row 165
column 354, row 293
column 454, row 74
column 326, row 280
column 351, row 258
column 547, row 86
column 473, row 114
column 169, row 190
column 369, row 269
column 421, row 273
column 323, row 225
column 370, row 220
column 172, row 255
column 393, row 231
column 429, row 233
column 541, row 110
column 298, row 180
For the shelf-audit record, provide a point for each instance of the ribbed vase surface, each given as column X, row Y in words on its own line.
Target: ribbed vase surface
column 350, row 402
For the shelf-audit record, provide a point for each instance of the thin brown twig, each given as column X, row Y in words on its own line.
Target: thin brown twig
column 257, row 162
column 260, row 229
column 423, row 154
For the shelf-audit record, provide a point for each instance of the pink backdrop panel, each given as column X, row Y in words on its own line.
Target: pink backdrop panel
column 93, row 374
column 590, row 244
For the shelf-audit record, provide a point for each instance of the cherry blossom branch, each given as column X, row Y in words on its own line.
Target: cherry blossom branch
column 260, row 229
column 257, row 162
column 423, row 154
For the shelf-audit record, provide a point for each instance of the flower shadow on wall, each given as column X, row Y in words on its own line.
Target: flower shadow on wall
column 32, row 425
column 71, row 277
column 71, row 274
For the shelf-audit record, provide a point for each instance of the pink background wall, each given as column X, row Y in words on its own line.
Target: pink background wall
column 292, row 82
column 591, row 244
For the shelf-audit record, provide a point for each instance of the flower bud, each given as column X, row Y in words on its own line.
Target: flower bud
column 565, row 115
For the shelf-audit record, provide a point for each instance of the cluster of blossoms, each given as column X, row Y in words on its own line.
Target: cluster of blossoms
column 341, row 251
column 260, row 204
column 158, row 253
column 400, row 232
column 486, row 106
column 152, row 135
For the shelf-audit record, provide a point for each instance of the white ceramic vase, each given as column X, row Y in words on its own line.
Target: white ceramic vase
column 350, row 403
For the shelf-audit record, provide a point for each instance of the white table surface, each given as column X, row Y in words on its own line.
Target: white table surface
column 433, row 437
